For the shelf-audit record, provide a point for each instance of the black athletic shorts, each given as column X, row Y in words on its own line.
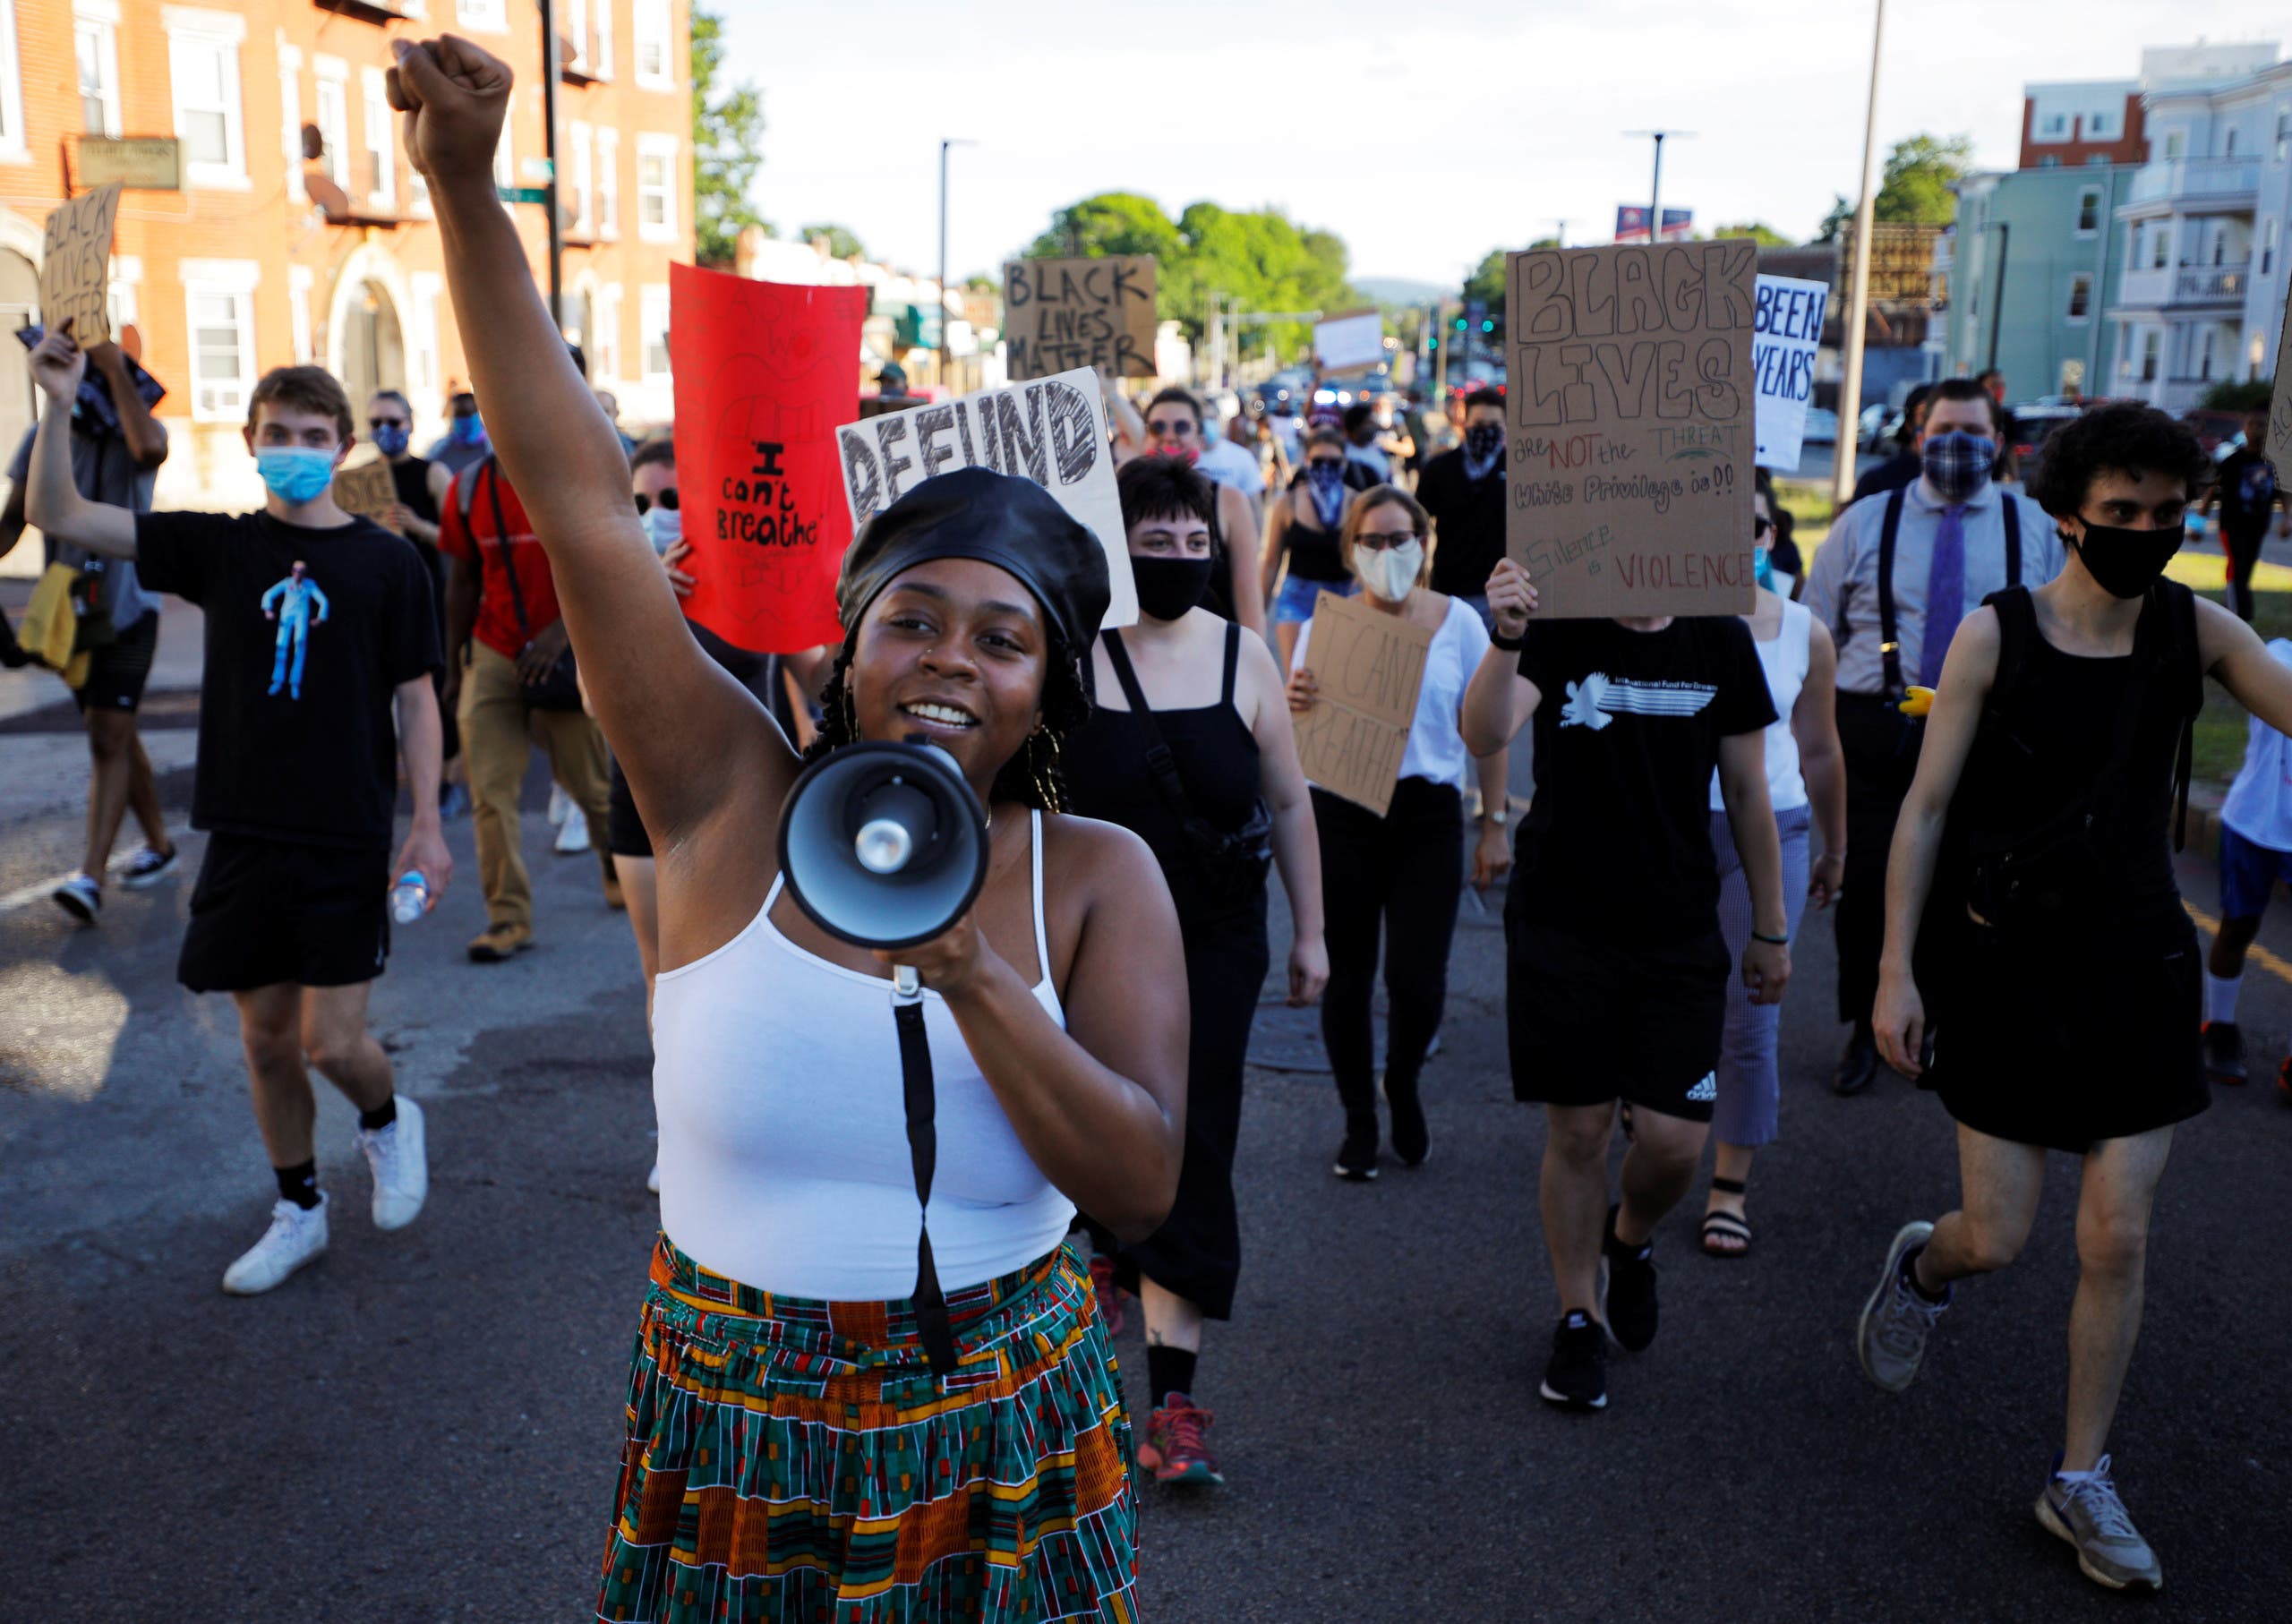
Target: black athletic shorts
column 266, row 911
column 625, row 832
column 118, row 670
column 1590, row 1021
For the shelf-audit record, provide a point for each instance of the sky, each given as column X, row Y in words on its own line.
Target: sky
column 1423, row 134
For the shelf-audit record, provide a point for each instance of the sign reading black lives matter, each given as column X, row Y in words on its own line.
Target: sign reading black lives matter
column 75, row 266
column 1629, row 420
column 1060, row 314
column 1052, row 430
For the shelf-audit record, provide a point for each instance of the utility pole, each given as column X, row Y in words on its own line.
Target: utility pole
column 548, row 72
column 1857, row 298
column 1559, row 232
column 1655, row 186
column 942, row 348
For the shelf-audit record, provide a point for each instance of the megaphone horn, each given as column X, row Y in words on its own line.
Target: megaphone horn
column 883, row 845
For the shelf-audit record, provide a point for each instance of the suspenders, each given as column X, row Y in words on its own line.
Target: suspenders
column 1889, row 642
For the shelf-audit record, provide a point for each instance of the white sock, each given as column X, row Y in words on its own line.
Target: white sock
column 2221, row 995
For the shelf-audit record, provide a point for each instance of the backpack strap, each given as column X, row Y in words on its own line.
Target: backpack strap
column 466, row 487
column 2012, row 514
column 2183, row 658
column 1889, row 644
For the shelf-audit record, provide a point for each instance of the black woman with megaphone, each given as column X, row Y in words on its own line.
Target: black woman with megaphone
column 870, row 1377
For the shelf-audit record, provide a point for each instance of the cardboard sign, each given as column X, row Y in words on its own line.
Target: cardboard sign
column 75, row 266
column 1786, row 329
column 1630, row 416
column 1369, row 665
column 1052, row 430
column 1345, row 342
column 2279, row 404
column 1061, row 314
column 765, row 371
column 367, row 488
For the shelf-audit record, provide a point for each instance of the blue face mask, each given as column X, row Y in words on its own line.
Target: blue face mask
column 469, row 429
column 390, row 442
column 295, row 474
column 1762, row 566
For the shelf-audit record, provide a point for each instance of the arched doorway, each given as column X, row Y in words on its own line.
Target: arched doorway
column 18, row 303
column 370, row 344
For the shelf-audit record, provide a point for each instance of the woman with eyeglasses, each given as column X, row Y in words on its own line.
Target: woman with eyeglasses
column 1301, row 531
column 1401, row 874
column 1805, row 782
column 1173, row 426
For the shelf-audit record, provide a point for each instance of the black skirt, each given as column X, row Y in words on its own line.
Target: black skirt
column 2071, row 1039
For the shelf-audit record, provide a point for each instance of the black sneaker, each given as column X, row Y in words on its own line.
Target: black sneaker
column 1858, row 1063
column 1627, row 1293
column 1356, row 1158
column 1576, row 1379
column 2224, row 1052
column 1412, row 1140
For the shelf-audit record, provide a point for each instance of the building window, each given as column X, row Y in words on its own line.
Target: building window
column 492, row 15
column 2099, row 125
column 2160, row 247
column 222, row 349
column 298, row 312
column 334, row 120
column 573, row 31
column 600, row 41
column 94, row 33
column 608, row 183
column 656, row 179
column 585, row 203
column 2220, row 245
column 2283, row 135
column 2229, row 142
column 2176, row 143
column 653, row 330
column 2089, row 211
column 2152, row 345
column 290, row 119
column 120, row 297
column 2051, row 160
column 382, row 154
column 654, row 71
column 2268, row 245
column 12, row 88
column 203, row 69
column 2081, row 298
column 605, row 345
column 2054, row 126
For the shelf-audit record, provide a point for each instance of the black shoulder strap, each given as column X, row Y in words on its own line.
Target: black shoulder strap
column 2012, row 516
column 919, row 1099
column 1232, row 659
column 1889, row 646
column 502, row 540
column 2187, row 659
column 1160, row 762
column 2016, row 623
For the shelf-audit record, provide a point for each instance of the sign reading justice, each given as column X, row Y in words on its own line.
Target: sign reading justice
column 1060, row 314
column 1369, row 665
column 1629, row 418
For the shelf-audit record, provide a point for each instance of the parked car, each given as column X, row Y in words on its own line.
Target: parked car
column 1822, row 426
column 1870, row 427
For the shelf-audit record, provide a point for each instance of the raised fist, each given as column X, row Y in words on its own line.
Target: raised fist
column 455, row 96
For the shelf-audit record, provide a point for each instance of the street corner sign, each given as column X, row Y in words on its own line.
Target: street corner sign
column 763, row 370
column 1052, row 430
column 1062, row 314
column 1369, row 666
column 1630, row 421
column 1786, row 330
column 366, row 488
column 2279, row 405
column 1349, row 342
column 139, row 163
column 75, row 266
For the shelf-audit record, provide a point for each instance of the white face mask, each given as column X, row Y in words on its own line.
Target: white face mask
column 664, row 527
column 1390, row 574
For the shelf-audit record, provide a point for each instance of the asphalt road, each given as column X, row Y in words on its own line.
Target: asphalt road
column 425, row 1425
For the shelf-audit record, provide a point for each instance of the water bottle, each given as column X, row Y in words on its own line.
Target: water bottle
column 410, row 897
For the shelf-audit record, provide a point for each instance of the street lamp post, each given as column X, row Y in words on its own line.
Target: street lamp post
column 1655, row 186
column 1857, row 298
column 944, row 144
column 550, row 69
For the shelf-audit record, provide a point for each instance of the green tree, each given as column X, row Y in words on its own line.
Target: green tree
column 1758, row 231
column 1920, row 170
column 843, row 242
column 727, row 148
column 1486, row 282
column 1112, row 222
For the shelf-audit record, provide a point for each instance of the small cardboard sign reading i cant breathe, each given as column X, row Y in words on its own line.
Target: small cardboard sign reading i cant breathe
column 1369, row 666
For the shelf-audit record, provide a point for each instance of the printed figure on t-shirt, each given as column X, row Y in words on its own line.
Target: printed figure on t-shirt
column 289, row 603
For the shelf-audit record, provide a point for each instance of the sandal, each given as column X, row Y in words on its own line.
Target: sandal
column 1719, row 1228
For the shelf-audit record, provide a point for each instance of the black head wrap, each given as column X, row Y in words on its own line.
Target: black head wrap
column 976, row 513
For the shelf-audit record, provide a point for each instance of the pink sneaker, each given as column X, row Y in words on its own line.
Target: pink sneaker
column 1177, row 1449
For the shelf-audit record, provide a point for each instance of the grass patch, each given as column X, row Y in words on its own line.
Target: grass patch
column 1810, row 509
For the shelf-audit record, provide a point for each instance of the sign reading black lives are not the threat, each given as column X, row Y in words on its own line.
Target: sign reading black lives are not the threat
column 1629, row 418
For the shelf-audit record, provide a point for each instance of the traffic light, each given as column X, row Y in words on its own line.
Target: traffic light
column 1460, row 324
column 1487, row 326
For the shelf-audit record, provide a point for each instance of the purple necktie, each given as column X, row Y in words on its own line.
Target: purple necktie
column 1946, row 595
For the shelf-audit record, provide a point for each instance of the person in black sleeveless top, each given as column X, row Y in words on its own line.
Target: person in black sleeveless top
column 1216, row 705
column 2039, row 973
column 422, row 486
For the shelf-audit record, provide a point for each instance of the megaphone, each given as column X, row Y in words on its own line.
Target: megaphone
column 882, row 844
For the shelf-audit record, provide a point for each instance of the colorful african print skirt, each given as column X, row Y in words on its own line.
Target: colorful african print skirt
column 790, row 1459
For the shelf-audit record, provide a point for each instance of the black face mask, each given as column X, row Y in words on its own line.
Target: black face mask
column 1168, row 587
column 2126, row 563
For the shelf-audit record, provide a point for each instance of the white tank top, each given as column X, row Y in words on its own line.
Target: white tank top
column 1785, row 659
column 783, row 1127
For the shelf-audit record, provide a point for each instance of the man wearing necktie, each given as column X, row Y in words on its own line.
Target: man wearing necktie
column 1955, row 538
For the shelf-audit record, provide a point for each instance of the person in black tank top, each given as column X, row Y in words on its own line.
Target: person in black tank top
column 2039, row 973
column 422, row 486
column 1301, row 528
column 1233, row 789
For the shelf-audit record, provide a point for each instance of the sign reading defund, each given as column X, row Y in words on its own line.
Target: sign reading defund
column 1052, row 430
column 1629, row 412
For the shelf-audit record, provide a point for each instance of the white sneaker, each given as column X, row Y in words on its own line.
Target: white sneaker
column 296, row 1236
column 401, row 1167
column 652, row 1179
column 573, row 833
column 560, row 804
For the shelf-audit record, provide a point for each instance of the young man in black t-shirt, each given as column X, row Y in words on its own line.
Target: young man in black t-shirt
column 2246, row 497
column 318, row 623
column 1616, row 973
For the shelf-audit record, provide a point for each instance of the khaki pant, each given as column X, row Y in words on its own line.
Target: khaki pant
column 497, row 744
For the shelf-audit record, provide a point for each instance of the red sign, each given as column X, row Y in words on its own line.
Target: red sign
column 764, row 373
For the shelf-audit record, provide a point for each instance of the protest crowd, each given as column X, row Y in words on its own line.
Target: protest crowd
column 917, row 1185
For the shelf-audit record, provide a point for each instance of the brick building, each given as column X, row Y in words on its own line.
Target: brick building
column 300, row 232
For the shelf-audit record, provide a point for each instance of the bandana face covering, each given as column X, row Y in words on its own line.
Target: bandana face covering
column 1958, row 463
column 2126, row 563
column 1325, row 483
column 1483, row 446
column 391, row 441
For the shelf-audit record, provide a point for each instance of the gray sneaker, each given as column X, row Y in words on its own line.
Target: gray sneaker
column 1890, row 1339
column 2087, row 1514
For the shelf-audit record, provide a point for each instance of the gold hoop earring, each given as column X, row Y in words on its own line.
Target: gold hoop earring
column 1045, row 783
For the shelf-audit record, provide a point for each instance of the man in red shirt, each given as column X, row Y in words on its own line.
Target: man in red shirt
column 509, row 676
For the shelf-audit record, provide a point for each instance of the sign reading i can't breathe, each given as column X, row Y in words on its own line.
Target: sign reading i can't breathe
column 1630, row 419
column 1060, row 314
column 1785, row 332
column 75, row 266
column 1052, row 430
